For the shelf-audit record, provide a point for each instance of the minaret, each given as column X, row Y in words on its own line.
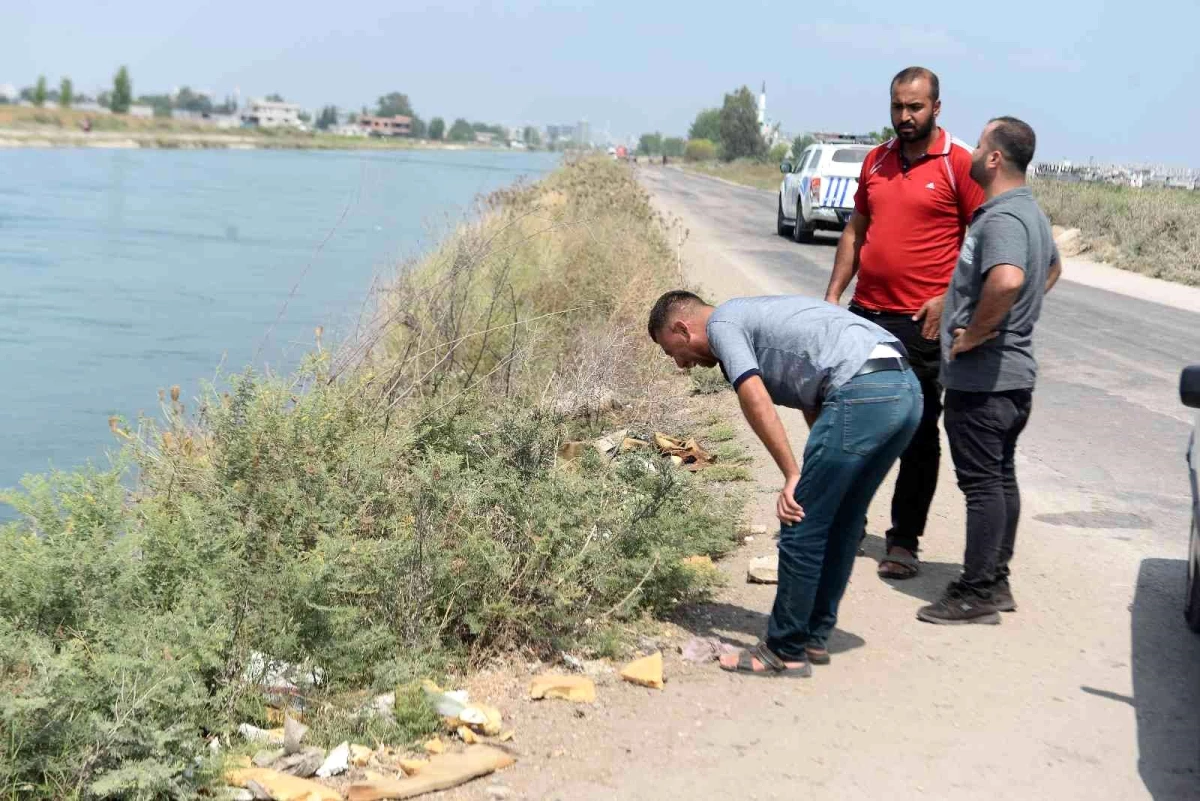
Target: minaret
column 762, row 107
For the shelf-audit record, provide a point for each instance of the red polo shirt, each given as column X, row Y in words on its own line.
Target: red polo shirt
column 917, row 213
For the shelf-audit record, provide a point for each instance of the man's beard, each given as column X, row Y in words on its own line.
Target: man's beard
column 917, row 132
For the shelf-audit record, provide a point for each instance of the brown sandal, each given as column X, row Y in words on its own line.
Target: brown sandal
column 903, row 564
column 771, row 665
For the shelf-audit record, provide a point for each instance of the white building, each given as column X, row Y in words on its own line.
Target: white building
column 272, row 114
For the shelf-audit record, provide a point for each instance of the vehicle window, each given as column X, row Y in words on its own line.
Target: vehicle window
column 800, row 161
column 810, row 159
column 849, row 156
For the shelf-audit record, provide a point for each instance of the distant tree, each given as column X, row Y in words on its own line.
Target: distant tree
column 700, row 150
column 420, row 129
column 461, row 131
column 228, row 107
column 650, row 144
column 122, row 93
column 39, row 92
column 275, row 97
column 327, row 118
column 66, row 93
column 352, row 118
column 885, row 134
column 673, row 147
column 437, row 129
column 305, row 117
column 740, row 134
column 799, row 143
column 778, row 153
column 707, row 125
column 27, row 94
column 195, row 102
column 161, row 104
column 531, row 136
column 393, row 104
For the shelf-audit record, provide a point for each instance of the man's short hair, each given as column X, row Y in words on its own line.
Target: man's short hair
column 670, row 303
column 1015, row 139
column 910, row 74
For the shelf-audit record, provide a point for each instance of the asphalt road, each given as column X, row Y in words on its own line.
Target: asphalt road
column 1092, row 689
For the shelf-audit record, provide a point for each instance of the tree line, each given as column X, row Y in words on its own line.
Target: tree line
column 120, row 98
column 730, row 132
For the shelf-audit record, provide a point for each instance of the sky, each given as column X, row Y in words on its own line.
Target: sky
column 1104, row 80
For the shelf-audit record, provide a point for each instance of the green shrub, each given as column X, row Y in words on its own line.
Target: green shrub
column 394, row 510
column 700, row 150
column 778, row 153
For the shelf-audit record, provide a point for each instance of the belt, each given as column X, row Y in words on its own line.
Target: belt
column 882, row 363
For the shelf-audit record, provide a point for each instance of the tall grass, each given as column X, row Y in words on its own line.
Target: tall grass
column 1152, row 231
column 394, row 510
column 749, row 172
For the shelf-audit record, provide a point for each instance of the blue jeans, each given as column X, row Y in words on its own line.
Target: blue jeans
column 863, row 427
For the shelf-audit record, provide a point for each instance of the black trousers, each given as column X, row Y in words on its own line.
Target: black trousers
column 983, row 428
column 917, row 481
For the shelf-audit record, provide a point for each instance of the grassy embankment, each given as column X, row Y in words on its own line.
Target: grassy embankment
column 52, row 126
column 760, row 175
column 395, row 510
column 1155, row 232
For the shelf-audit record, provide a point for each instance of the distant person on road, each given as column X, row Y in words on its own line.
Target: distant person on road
column 862, row 403
column 915, row 197
column 1008, row 263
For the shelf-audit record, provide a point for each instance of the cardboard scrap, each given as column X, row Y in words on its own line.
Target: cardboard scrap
column 435, row 746
column 646, row 672
column 569, row 688
column 444, row 771
column 684, row 453
column 280, row 786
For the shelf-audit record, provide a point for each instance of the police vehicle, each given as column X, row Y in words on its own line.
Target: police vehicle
column 817, row 191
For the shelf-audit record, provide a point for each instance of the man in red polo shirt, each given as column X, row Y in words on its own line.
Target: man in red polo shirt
column 915, row 198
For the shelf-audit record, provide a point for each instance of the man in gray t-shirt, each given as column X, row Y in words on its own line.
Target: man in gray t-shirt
column 1007, row 264
column 852, row 382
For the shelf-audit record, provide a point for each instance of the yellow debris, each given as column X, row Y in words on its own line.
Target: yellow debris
column 569, row 688
column 699, row 561
column 360, row 755
column 467, row 735
column 506, row 736
column 281, row 786
column 435, row 746
column 647, row 671
column 411, row 767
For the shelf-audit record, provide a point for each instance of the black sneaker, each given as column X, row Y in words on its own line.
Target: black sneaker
column 958, row 606
column 1002, row 596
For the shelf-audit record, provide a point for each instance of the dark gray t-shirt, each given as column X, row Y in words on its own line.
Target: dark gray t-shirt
column 801, row 347
column 1008, row 229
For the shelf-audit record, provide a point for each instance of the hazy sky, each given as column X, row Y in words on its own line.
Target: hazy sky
column 1098, row 79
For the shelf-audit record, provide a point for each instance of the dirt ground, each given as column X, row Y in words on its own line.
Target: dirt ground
column 1091, row 690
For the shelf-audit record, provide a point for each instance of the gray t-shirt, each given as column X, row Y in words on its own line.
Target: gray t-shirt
column 802, row 348
column 1008, row 229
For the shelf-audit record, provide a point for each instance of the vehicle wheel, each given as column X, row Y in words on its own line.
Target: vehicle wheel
column 1192, row 610
column 802, row 231
column 781, row 226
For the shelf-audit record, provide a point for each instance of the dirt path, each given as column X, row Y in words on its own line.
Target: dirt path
column 1090, row 691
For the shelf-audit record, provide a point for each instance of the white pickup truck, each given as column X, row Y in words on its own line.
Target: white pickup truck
column 818, row 189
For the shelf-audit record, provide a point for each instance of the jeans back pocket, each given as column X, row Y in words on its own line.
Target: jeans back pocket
column 868, row 422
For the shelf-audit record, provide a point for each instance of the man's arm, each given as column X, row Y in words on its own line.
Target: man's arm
column 1000, row 289
column 845, row 262
column 1055, row 271
column 760, row 413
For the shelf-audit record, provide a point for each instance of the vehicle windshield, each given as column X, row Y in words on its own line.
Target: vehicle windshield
column 849, row 156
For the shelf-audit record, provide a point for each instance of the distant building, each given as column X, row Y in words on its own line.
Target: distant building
column 348, row 129
column 559, row 133
column 9, row 93
column 398, row 125
column 583, row 134
column 271, row 114
column 142, row 112
column 484, row 137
